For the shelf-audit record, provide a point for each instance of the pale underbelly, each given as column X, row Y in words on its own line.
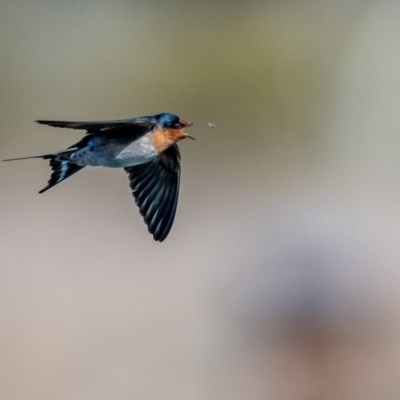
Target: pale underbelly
column 114, row 155
column 119, row 162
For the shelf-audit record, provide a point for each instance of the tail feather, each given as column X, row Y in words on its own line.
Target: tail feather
column 62, row 169
column 45, row 156
column 60, row 164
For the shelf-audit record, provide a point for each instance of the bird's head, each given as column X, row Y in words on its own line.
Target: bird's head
column 174, row 124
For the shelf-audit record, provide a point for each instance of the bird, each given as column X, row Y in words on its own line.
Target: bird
column 145, row 147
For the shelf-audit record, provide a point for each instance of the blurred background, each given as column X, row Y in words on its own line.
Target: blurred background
column 280, row 278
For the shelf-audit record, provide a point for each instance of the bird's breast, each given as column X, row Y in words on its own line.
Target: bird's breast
column 116, row 152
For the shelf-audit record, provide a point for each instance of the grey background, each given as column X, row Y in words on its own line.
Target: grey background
column 280, row 278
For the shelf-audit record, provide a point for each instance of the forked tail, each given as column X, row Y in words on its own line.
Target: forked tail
column 60, row 164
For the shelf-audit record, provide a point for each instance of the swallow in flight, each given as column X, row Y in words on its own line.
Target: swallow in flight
column 146, row 147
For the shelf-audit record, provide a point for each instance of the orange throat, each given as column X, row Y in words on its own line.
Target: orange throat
column 164, row 138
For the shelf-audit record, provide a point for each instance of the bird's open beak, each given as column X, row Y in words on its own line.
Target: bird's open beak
column 188, row 126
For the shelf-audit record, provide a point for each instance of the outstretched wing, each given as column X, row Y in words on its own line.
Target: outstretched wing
column 155, row 187
column 137, row 124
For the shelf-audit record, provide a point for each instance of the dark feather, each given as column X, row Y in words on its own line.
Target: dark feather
column 61, row 170
column 139, row 125
column 60, row 165
column 43, row 156
column 155, row 187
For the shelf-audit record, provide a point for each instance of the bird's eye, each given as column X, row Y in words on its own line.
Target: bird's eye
column 177, row 125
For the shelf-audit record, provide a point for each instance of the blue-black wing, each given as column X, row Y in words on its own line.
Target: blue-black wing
column 138, row 125
column 155, row 187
